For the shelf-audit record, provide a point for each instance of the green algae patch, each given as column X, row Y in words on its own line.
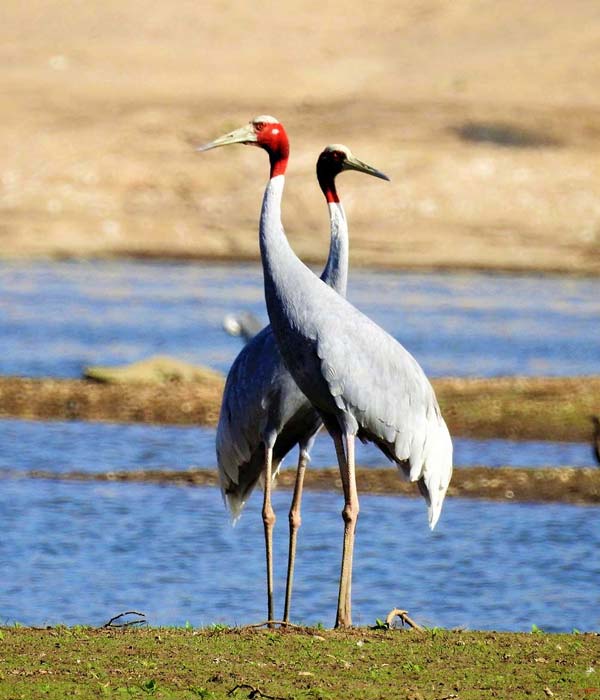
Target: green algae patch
column 159, row 369
column 298, row 663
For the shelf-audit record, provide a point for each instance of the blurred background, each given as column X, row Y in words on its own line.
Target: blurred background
column 486, row 116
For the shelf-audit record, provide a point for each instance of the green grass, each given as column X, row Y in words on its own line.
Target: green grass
column 309, row 664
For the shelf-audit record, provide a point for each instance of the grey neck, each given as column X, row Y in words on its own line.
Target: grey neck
column 335, row 273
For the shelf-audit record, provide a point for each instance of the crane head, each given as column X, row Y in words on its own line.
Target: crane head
column 263, row 131
column 333, row 160
column 336, row 158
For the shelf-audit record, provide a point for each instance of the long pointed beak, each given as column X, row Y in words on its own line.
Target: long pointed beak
column 244, row 134
column 352, row 163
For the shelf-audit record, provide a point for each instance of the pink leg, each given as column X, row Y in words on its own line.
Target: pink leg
column 350, row 515
column 295, row 522
column 268, row 515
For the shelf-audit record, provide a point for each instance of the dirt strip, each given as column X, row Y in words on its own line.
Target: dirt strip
column 561, row 485
column 516, row 408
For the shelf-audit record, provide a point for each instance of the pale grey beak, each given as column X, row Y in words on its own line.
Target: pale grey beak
column 352, row 163
column 244, row 134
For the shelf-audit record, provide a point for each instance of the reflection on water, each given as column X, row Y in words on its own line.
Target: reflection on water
column 63, row 446
column 80, row 553
column 55, row 318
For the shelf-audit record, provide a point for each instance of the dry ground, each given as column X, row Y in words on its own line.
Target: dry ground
column 517, row 408
column 486, row 115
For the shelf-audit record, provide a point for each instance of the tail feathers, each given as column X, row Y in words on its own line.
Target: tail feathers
column 235, row 503
column 235, row 495
column 436, row 472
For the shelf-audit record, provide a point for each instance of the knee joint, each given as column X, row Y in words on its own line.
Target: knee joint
column 268, row 516
column 295, row 520
column 350, row 513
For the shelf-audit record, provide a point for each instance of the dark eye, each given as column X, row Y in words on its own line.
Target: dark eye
column 337, row 155
column 259, row 126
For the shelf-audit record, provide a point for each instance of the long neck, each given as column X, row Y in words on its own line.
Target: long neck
column 335, row 273
column 275, row 251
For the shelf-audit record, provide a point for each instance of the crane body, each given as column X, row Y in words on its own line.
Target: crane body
column 361, row 380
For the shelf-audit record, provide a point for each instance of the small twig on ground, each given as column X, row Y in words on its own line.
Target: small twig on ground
column 403, row 615
column 254, row 692
column 129, row 623
column 268, row 623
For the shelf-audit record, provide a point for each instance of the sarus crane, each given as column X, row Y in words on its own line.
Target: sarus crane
column 263, row 412
column 362, row 382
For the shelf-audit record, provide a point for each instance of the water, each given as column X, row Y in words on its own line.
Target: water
column 85, row 552
column 63, row 446
column 56, row 318
column 80, row 553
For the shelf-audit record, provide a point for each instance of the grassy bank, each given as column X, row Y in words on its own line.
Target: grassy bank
column 518, row 408
column 303, row 663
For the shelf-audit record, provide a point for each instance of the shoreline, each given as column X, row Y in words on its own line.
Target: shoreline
column 515, row 408
column 575, row 486
column 586, row 269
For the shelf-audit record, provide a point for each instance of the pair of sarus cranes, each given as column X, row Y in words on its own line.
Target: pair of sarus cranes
column 320, row 362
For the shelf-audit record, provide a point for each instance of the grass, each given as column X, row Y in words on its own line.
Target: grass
column 311, row 663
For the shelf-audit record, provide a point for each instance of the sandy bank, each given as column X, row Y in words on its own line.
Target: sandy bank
column 517, row 408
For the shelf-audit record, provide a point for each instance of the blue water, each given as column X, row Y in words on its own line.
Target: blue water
column 81, row 553
column 63, row 446
column 56, row 318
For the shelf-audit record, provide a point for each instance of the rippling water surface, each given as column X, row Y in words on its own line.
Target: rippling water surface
column 55, row 318
column 83, row 552
column 79, row 446
column 80, row 553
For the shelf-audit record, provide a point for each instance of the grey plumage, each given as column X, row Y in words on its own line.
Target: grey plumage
column 361, row 380
column 261, row 402
column 262, row 405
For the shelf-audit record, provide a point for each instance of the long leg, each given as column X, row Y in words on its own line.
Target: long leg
column 295, row 522
column 350, row 515
column 268, row 515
